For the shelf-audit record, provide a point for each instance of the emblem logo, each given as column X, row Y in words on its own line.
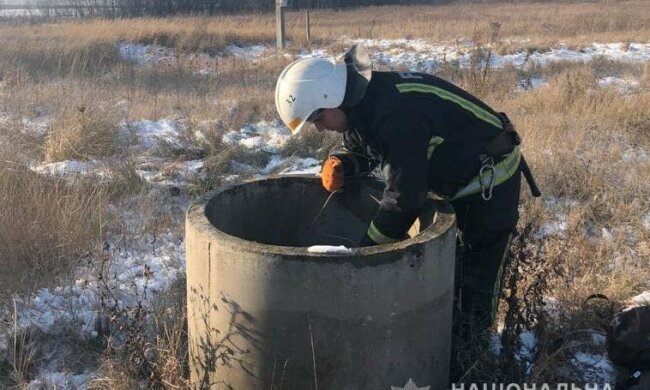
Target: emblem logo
column 290, row 100
column 410, row 385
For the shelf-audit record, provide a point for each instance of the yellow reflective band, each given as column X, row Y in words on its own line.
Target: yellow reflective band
column 435, row 141
column 378, row 237
column 478, row 111
column 502, row 172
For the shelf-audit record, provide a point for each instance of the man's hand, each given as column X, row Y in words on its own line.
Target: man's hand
column 332, row 176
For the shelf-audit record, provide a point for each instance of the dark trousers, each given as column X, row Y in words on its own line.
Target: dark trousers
column 485, row 230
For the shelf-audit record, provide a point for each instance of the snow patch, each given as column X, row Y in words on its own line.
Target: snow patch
column 552, row 307
column 328, row 249
column 201, row 63
column 143, row 54
column 75, row 307
column 598, row 339
column 36, row 126
column 19, row 12
column 531, row 83
column 618, row 84
column 317, row 53
column 246, row 52
column 4, row 118
column 59, row 380
column 528, row 346
column 646, row 221
column 558, row 215
column 495, row 344
column 265, row 136
column 159, row 171
column 553, row 228
column 418, row 55
column 595, row 368
column 292, row 166
column 73, row 167
column 606, row 234
column 154, row 133
column 634, row 155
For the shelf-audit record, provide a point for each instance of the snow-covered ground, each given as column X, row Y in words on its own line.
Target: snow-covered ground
column 418, row 55
column 144, row 54
column 619, row 84
column 153, row 138
column 265, row 136
column 19, row 12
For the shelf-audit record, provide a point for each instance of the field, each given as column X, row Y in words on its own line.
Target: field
column 109, row 129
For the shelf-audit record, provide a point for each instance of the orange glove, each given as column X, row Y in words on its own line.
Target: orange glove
column 332, row 174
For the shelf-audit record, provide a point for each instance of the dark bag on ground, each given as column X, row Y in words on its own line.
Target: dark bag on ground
column 628, row 339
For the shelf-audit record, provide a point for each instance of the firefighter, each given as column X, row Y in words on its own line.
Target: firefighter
column 427, row 135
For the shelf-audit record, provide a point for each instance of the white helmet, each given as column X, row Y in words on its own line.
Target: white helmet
column 305, row 86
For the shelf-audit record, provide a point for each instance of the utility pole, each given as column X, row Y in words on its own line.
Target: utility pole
column 308, row 26
column 280, row 5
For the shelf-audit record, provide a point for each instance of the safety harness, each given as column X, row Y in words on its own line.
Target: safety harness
column 505, row 149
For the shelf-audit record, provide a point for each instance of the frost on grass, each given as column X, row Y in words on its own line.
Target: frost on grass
column 151, row 134
column 634, row 154
column 618, row 84
column 36, row 126
column 557, row 217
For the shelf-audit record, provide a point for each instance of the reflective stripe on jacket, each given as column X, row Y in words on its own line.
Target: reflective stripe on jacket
column 426, row 134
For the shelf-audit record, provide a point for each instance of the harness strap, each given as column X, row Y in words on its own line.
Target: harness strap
column 502, row 172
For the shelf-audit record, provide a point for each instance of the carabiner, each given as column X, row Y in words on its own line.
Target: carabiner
column 488, row 166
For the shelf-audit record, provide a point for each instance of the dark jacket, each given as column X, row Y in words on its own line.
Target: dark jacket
column 425, row 133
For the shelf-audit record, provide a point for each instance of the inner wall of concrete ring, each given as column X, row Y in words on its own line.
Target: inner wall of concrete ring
column 263, row 316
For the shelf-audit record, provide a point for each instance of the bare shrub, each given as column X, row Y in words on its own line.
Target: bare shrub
column 82, row 134
column 145, row 345
column 125, row 180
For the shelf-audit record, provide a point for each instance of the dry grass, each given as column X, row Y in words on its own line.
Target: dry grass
column 576, row 137
column 540, row 24
column 157, row 357
column 82, row 134
column 49, row 226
